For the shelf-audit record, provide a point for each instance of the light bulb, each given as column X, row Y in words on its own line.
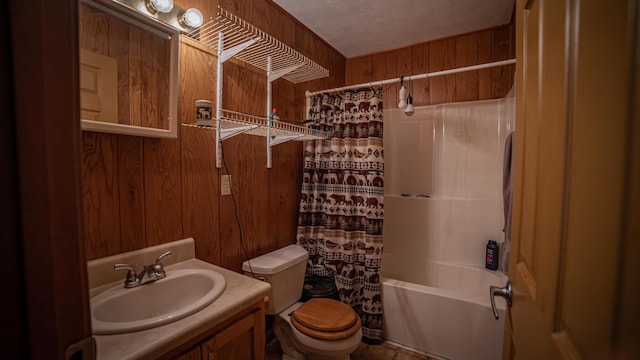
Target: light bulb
column 403, row 94
column 409, row 110
column 192, row 18
column 163, row 6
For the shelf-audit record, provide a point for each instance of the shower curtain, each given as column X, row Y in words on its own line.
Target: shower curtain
column 341, row 206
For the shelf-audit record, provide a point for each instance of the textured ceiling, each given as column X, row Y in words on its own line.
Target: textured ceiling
column 359, row 27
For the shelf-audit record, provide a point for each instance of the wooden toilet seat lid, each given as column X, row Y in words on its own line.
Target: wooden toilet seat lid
column 326, row 319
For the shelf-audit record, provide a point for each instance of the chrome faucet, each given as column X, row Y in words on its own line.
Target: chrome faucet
column 148, row 274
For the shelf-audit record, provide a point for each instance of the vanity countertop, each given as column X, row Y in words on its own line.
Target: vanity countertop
column 241, row 292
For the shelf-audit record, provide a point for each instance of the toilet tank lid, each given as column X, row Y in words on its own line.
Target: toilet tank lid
column 275, row 261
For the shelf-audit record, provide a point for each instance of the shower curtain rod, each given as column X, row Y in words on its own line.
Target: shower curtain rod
column 414, row 77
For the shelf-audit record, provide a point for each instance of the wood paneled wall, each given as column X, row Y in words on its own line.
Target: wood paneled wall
column 458, row 51
column 140, row 192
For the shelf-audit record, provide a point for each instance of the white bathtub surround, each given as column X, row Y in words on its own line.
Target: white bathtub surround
column 435, row 288
column 241, row 291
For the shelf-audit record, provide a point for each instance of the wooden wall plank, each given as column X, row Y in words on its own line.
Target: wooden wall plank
column 404, row 63
column 131, row 192
column 200, row 192
column 390, row 95
column 94, row 30
column 163, row 200
column 466, row 55
column 420, row 65
column 379, row 69
column 282, row 201
column 283, row 99
column 247, row 166
column 442, row 56
column 100, row 196
column 254, row 12
column 283, row 197
column 281, row 26
column 364, row 64
column 119, row 49
column 149, row 80
column 135, row 73
column 502, row 77
column 484, row 56
column 348, row 72
column 163, row 54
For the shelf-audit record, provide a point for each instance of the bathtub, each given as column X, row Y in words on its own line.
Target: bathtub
column 435, row 290
column 449, row 316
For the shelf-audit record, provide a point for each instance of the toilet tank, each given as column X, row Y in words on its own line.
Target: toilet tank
column 284, row 269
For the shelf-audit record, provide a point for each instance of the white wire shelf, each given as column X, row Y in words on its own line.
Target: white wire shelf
column 234, row 123
column 232, row 37
column 237, row 33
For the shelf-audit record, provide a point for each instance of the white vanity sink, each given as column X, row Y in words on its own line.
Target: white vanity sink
column 181, row 293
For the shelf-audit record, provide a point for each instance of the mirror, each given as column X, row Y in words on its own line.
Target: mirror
column 128, row 71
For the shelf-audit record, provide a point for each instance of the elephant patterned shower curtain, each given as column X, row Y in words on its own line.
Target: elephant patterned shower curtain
column 341, row 207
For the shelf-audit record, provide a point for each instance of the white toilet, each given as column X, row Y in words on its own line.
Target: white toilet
column 317, row 329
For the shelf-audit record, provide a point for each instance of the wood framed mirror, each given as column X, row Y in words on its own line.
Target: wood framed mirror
column 128, row 71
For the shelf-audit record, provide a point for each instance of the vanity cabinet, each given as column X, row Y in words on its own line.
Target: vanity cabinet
column 240, row 338
column 193, row 354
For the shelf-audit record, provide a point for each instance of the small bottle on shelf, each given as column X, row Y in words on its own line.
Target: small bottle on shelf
column 274, row 116
column 204, row 112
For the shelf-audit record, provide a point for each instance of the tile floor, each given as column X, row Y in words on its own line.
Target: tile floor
column 384, row 351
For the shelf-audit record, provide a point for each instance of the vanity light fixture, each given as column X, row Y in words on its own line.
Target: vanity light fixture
column 192, row 17
column 167, row 12
column 162, row 6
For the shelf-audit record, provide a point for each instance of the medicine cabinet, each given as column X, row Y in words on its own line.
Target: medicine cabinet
column 128, row 71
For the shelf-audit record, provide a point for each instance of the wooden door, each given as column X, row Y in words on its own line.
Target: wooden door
column 42, row 128
column 98, row 87
column 575, row 186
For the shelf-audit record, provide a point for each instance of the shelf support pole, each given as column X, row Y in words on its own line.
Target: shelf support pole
column 269, row 103
column 219, row 98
